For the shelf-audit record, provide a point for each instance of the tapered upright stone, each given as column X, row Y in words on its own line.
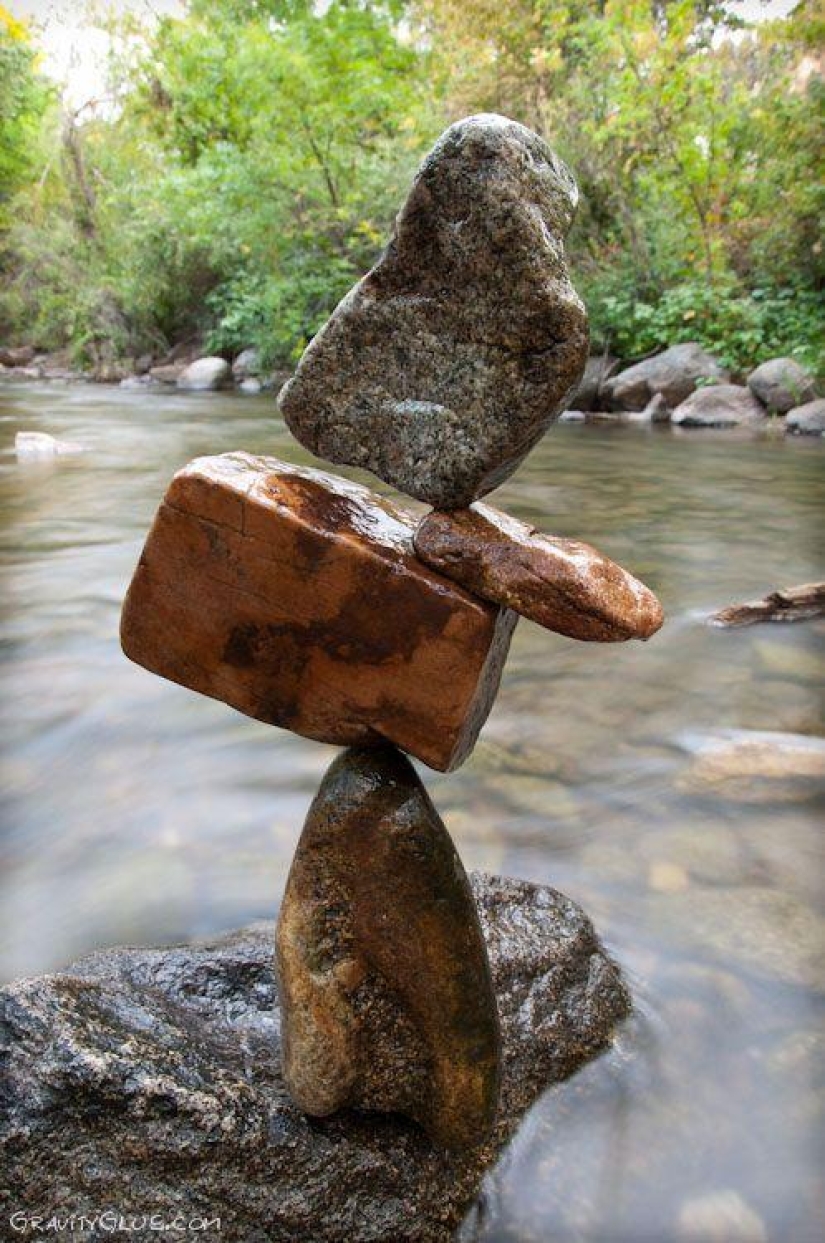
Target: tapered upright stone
column 386, row 992
column 297, row 598
column 442, row 368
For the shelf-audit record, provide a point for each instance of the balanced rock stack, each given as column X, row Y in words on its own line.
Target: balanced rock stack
column 311, row 603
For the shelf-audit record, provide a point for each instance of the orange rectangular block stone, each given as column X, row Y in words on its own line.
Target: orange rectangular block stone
column 297, row 598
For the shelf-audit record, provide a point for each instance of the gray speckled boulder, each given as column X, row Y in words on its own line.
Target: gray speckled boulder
column 719, row 405
column 673, row 374
column 149, row 1081
column 442, row 368
column 781, row 383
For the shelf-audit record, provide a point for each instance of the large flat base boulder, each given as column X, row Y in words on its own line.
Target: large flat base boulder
column 148, row 1081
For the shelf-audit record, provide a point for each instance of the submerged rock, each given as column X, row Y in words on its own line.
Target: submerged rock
column 674, row 374
column 140, row 382
column 781, row 383
column 756, row 766
column 41, row 445
column 442, row 368
column 388, row 1005
column 719, row 405
column 563, row 584
column 150, row 1080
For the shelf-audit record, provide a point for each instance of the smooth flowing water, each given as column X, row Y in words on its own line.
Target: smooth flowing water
column 665, row 786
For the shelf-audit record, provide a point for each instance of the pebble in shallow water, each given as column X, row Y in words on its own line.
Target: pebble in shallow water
column 40, row 445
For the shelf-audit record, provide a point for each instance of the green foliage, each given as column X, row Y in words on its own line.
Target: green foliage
column 738, row 327
column 258, row 150
column 697, row 146
column 249, row 176
column 23, row 99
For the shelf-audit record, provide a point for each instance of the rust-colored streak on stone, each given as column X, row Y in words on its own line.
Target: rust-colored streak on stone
column 297, row 598
column 562, row 584
column 387, row 996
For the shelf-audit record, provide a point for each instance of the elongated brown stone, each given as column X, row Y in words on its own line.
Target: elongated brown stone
column 296, row 597
column 387, row 997
column 562, row 584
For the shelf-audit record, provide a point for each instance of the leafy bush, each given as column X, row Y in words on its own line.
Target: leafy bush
column 260, row 148
column 740, row 327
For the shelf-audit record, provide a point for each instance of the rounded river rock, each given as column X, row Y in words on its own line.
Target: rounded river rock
column 441, row 369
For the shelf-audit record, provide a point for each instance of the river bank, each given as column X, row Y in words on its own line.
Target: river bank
column 683, row 385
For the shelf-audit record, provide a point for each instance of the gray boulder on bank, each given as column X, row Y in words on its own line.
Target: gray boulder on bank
column 153, row 1078
column 167, row 373
column 597, row 370
column 719, row 405
column 205, row 374
column 16, row 355
column 673, row 374
column 781, row 383
column 807, row 420
column 246, row 366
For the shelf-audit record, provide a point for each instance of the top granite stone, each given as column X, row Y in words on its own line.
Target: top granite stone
column 445, row 364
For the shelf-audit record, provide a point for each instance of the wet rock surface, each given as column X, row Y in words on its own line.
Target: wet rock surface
column 442, row 368
column 296, row 597
column 624, row 1152
column 674, row 374
column 563, row 584
column 388, row 1005
column 719, row 405
column 150, row 1081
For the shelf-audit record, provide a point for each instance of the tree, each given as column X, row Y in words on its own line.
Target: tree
column 23, row 99
column 694, row 146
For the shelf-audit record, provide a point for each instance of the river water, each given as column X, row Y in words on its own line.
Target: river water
column 669, row 787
